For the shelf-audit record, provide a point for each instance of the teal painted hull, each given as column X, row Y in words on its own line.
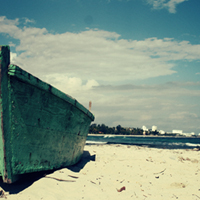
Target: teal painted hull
column 41, row 127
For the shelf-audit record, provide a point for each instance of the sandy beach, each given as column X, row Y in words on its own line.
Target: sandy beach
column 117, row 172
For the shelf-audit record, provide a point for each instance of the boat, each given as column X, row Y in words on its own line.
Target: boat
column 42, row 128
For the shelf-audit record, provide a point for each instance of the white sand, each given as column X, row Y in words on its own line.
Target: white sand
column 145, row 173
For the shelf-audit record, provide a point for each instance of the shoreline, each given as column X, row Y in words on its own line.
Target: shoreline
column 154, row 142
column 159, row 136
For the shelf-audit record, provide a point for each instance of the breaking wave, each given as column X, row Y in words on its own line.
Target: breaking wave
column 156, row 142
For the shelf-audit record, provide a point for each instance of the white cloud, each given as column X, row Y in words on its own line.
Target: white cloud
column 183, row 115
column 145, row 118
column 69, row 84
column 80, row 63
column 13, row 57
column 9, row 26
column 170, row 5
column 164, row 105
column 26, row 20
column 175, row 89
column 95, row 54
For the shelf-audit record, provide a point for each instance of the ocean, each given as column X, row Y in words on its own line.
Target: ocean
column 148, row 141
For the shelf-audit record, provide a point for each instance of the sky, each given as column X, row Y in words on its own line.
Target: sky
column 138, row 61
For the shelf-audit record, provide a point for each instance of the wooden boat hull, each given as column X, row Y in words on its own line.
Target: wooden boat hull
column 41, row 127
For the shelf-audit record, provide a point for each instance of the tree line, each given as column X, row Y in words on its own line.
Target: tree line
column 119, row 130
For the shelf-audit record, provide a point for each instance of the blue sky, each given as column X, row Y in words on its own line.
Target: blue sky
column 138, row 61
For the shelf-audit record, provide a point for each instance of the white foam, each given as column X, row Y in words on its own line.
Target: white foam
column 95, row 142
column 193, row 145
column 109, row 136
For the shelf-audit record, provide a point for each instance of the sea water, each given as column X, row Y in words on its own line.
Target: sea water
column 148, row 141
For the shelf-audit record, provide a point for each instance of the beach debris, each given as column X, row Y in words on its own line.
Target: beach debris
column 2, row 194
column 194, row 161
column 187, row 159
column 180, row 158
column 178, row 185
column 195, row 196
column 58, row 179
column 157, row 177
column 175, row 196
column 92, row 182
column 121, row 189
column 160, row 172
column 150, row 159
column 73, row 176
column 139, row 184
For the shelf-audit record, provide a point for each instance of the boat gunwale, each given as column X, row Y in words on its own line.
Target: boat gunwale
column 19, row 73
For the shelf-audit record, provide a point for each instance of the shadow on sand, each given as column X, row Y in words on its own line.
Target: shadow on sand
column 27, row 180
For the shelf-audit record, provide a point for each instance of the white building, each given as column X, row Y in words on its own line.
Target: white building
column 177, row 132
column 189, row 134
column 193, row 133
column 154, row 128
column 162, row 132
column 144, row 128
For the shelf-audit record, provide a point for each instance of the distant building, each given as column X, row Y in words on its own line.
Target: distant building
column 189, row 134
column 193, row 133
column 177, row 132
column 145, row 130
column 162, row 132
column 154, row 128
